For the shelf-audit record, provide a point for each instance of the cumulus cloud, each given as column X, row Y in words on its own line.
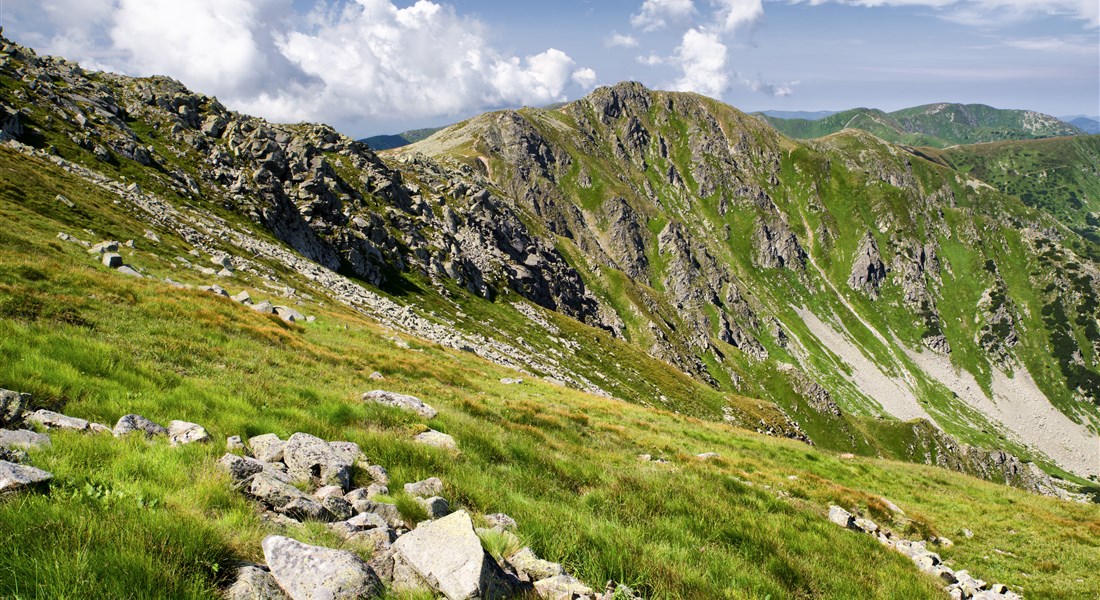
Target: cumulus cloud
column 346, row 62
column 658, row 14
column 702, row 58
column 777, row 90
column 618, row 40
column 732, row 14
column 986, row 12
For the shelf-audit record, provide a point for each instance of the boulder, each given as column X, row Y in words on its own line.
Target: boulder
column 435, row 506
column 286, row 499
column 377, row 489
column 842, row 517
column 127, row 270
column 240, row 468
column 367, row 529
column 411, row 403
column 446, row 556
column 310, row 458
column 131, row 423
column 12, row 406
column 338, row 507
column 264, row 308
column 289, row 314
column 501, row 522
column 112, row 260
column 435, row 438
column 103, row 247
column 327, row 491
column 349, row 452
column 362, row 503
column 378, row 474
column 267, row 447
column 182, row 432
column 533, row 568
column 432, row 486
column 22, row 439
column 234, row 442
column 242, row 298
column 511, row 381
column 255, row 582
column 315, row 573
column 562, row 587
column 14, row 478
column 52, row 420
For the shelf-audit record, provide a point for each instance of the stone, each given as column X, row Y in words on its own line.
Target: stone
column 511, row 381
column 437, row 439
column 234, row 442
column 378, row 474
column 242, row 298
column 432, row 486
column 240, row 468
column 127, row 270
column 131, row 423
column 362, row 503
column 99, row 428
column 289, row 314
column 446, row 554
column 435, row 506
column 182, row 432
column 21, row 439
column 401, row 401
column 151, row 236
column 967, row 533
column 63, row 200
column 350, row 452
column 104, row 247
column 327, row 491
column 866, row 525
column 926, row 562
column 842, row 517
column 52, row 420
column 112, row 260
column 501, row 522
column 310, row 458
column 707, row 455
column 367, row 529
column 314, row 573
column 377, row 376
column 264, row 307
column 255, row 583
column 12, row 407
column 377, row 489
column 338, row 507
column 562, row 587
column 893, row 507
column 286, row 499
column 14, row 478
column 267, row 447
column 532, row 568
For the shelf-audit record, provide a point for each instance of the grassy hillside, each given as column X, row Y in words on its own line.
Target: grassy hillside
column 129, row 518
column 936, row 125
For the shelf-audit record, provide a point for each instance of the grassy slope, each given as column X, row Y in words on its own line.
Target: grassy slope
column 136, row 519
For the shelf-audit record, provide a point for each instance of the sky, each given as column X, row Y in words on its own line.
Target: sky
column 369, row 67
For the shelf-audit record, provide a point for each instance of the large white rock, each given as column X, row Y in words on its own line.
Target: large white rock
column 15, row 477
column 22, row 439
column 131, row 423
column 267, row 447
column 52, row 420
column 447, row 556
column 309, row 457
column 314, row 573
column 438, row 439
column 182, row 432
column 285, row 498
column 401, row 401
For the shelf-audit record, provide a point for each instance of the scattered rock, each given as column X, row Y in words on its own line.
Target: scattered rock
column 12, row 406
column 267, row 447
column 255, row 583
column 562, row 587
column 501, row 522
column 286, row 499
column 310, row 458
column 378, row 474
column 377, row 376
column 131, row 423
column 182, row 432
column 289, row 314
column 438, row 439
column 234, row 442
column 842, row 517
column 242, row 298
column 52, row 420
column 22, row 439
column 14, row 478
column 112, row 260
column 338, row 507
column 435, row 506
column 264, row 307
column 315, row 573
column 401, row 401
column 104, row 247
column 707, row 455
column 128, row 270
column 446, row 556
column 240, row 468
column 152, row 237
column 432, row 486
column 511, row 381
column 532, row 568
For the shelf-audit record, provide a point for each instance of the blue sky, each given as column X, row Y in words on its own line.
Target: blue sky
column 383, row 66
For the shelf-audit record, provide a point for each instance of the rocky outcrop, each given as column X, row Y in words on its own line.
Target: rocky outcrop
column 402, row 401
column 868, row 270
column 776, row 246
column 15, row 478
column 136, row 423
column 307, row 572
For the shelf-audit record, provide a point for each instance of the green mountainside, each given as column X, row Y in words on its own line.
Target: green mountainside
column 935, row 125
column 389, row 142
column 664, row 338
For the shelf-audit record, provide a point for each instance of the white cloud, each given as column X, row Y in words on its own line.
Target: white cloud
column 732, row 14
column 990, row 12
column 652, row 60
column 701, row 57
column 777, row 90
column 1068, row 44
column 618, row 40
column 349, row 62
column 658, row 14
column 585, row 78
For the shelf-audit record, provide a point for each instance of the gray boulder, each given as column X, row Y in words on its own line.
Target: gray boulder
column 22, row 439
column 52, row 420
column 432, row 486
column 234, row 442
column 411, row 403
column 14, row 478
column 12, row 405
column 310, row 458
column 112, row 260
column 267, row 447
column 446, row 556
column 286, row 499
column 366, row 529
column 264, row 308
column 131, row 423
column 842, row 517
column 438, row 439
column 562, row 587
column 533, row 568
column 314, row 573
column 435, row 506
column 338, row 507
column 501, row 522
column 182, row 432
column 378, row 474
column 240, row 468
column 289, row 314
column 255, row 582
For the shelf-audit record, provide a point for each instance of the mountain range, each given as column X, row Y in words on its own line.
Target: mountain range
column 666, row 336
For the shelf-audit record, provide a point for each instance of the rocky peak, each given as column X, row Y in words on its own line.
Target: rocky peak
column 868, row 270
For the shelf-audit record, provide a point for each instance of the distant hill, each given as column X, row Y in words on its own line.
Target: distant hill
column 1087, row 124
column 388, row 142
column 798, row 114
column 935, row 125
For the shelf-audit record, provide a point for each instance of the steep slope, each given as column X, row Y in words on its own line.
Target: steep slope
column 936, row 125
column 1058, row 175
column 389, row 142
column 846, row 273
